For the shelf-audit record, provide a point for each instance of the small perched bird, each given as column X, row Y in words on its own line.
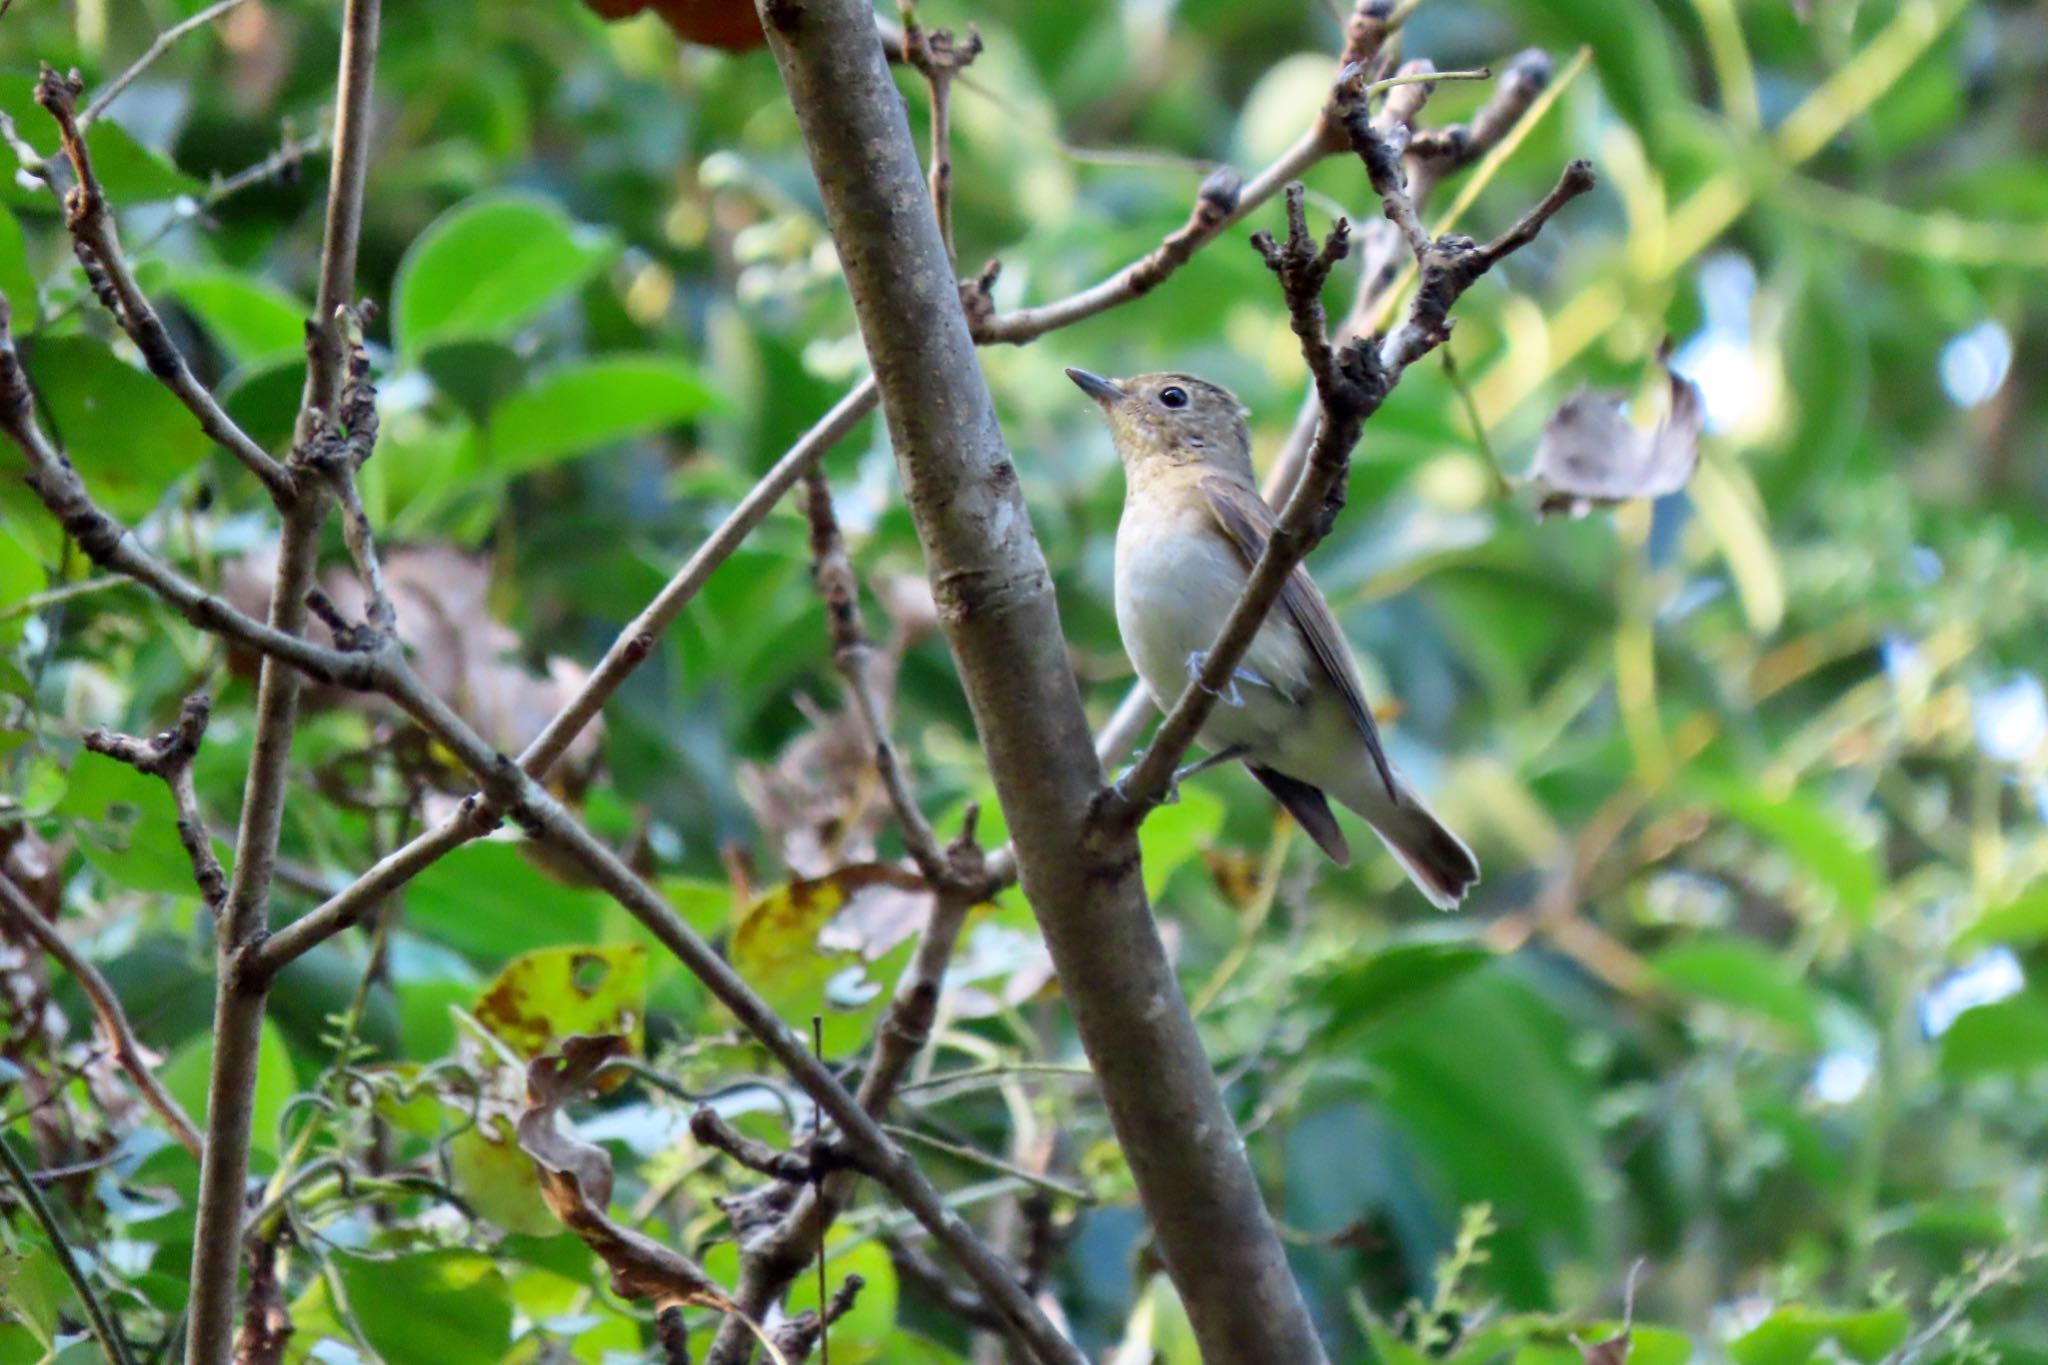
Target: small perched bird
column 1193, row 527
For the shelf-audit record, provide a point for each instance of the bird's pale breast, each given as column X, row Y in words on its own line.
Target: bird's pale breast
column 1177, row 579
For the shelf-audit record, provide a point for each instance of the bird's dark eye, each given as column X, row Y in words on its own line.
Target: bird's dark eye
column 1174, row 396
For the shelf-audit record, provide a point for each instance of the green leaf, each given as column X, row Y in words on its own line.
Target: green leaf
column 1792, row 1334
column 252, row 320
column 496, row 1176
column 488, row 265
column 545, row 996
column 780, row 945
column 1789, row 1336
column 1171, row 835
column 1808, row 831
column 1398, row 977
column 131, row 173
column 16, row 280
column 129, row 827
column 122, row 429
column 188, row 1072
column 2009, row 1037
column 2018, row 923
column 1743, row 976
column 447, row 1307
column 583, row 406
column 486, row 900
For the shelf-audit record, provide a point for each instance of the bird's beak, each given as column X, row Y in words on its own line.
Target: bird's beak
column 1095, row 386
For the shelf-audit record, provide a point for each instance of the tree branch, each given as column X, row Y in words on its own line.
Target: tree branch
column 169, row 756
column 18, row 909
column 632, row 646
column 159, row 45
column 832, row 573
column 239, row 1000
column 1224, row 199
column 98, row 248
column 997, row 609
column 938, row 56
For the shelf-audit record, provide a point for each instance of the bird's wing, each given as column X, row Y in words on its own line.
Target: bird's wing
column 1245, row 518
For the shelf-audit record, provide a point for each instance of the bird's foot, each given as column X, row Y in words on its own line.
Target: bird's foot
column 1172, row 796
column 1230, row 696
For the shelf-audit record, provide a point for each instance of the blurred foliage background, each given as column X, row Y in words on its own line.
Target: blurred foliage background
column 1758, row 772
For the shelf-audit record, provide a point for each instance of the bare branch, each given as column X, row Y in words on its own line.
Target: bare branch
column 832, row 573
column 303, row 506
column 938, row 56
column 161, row 44
column 19, row 910
column 327, row 343
column 711, row 1129
column 1224, row 199
column 799, row 1336
column 633, row 645
column 98, row 248
column 997, row 608
column 929, row 1281
column 169, row 756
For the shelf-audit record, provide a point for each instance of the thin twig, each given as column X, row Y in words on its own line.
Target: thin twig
column 96, row 243
column 303, row 505
column 853, row 655
column 161, row 44
column 103, row 1325
column 939, row 57
column 327, row 343
column 106, row 1007
column 634, row 644
column 169, row 756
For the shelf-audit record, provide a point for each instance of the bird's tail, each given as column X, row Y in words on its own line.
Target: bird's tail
column 1435, row 859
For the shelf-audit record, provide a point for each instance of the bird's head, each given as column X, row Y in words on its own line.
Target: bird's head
column 1175, row 418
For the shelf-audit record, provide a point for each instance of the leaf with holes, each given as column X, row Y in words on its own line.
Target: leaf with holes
column 829, row 946
column 554, row 993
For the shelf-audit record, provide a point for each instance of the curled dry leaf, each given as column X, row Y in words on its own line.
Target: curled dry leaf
column 576, row 1182
column 729, row 24
column 1591, row 455
column 461, row 652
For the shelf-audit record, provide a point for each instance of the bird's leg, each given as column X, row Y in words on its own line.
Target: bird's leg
column 1203, row 765
column 1173, row 783
column 1199, row 660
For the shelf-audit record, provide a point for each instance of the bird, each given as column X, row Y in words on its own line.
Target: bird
column 1294, row 713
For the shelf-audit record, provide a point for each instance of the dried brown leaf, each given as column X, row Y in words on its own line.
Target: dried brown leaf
column 1591, row 455
column 576, row 1182
column 463, row 654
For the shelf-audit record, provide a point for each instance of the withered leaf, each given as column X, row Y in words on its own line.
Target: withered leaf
column 1591, row 455
column 576, row 1182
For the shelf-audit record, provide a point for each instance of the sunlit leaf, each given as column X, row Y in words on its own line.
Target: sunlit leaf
column 250, row 319
column 1743, row 975
column 2007, row 1037
column 444, row 1307
column 550, row 994
column 123, row 430
column 581, row 407
column 489, row 265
